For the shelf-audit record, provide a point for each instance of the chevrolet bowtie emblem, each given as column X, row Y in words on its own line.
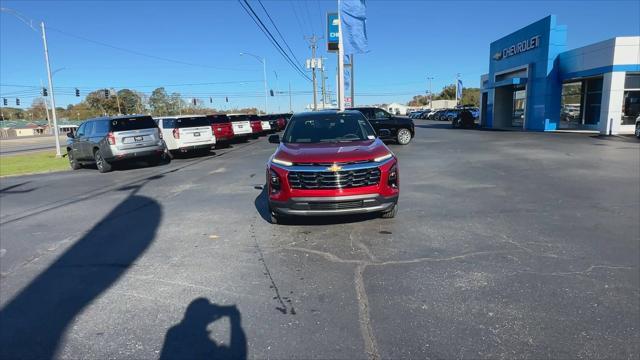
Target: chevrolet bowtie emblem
column 334, row 168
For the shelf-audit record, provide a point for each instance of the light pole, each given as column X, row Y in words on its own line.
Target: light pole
column 430, row 92
column 264, row 73
column 49, row 75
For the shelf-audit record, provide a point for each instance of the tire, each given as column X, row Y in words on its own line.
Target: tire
column 638, row 131
column 403, row 137
column 155, row 161
column 391, row 213
column 75, row 165
column 102, row 164
column 455, row 123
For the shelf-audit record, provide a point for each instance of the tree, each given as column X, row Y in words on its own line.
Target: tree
column 447, row 93
column 38, row 108
column 470, row 96
column 159, row 102
column 419, row 100
column 130, row 102
column 176, row 104
column 98, row 101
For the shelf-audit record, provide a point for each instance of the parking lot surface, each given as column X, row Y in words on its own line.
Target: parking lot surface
column 506, row 245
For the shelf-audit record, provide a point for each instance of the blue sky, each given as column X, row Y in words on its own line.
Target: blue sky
column 407, row 40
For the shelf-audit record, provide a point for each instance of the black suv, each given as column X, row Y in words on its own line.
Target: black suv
column 106, row 140
column 401, row 129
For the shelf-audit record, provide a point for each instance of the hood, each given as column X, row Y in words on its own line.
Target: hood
column 332, row 152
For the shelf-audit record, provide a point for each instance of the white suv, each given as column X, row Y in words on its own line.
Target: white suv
column 186, row 133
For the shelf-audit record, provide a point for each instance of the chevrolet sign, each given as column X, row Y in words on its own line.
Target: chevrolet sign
column 518, row 48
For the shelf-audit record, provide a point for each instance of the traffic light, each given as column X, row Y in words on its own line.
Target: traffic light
column 106, row 93
column 226, row 98
column 194, row 102
column 44, row 92
column 77, row 92
column 271, row 92
column 4, row 101
column 211, row 100
column 17, row 102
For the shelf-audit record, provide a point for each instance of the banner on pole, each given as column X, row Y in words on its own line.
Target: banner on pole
column 353, row 19
column 459, row 90
column 333, row 35
column 347, row 86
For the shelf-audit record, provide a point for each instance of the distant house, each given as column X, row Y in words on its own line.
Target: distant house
column 25, row 131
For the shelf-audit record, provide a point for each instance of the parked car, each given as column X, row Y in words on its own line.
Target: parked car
column 450, row 114
column 464, row 119
column 256, row 125
column 222, row 127
column 415, row 114
column 425, row 114
column 638, row 127
column 107, row 140
column 437, row 115
column 241, row 126
column 400, row 128
column 187, row 133
column 331, row 163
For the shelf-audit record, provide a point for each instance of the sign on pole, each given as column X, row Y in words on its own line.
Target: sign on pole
column 333, row 32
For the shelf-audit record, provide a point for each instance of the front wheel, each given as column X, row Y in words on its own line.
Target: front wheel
column 638, row 131
column 390, row 214
column 404, row 136
column 75, row 165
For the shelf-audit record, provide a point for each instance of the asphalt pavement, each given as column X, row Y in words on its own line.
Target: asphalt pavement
column 506, row 245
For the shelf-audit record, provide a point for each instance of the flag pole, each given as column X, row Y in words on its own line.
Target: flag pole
column 340, row 63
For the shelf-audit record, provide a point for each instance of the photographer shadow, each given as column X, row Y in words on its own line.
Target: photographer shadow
column 189, row 339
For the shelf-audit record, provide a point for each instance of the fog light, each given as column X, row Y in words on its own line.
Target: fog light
column 392, row 179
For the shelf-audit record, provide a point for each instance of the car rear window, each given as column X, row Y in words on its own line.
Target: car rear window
column 135, row 123
column 192, row 122
column 219, row 119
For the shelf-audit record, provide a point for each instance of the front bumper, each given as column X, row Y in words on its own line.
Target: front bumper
column 338, row 205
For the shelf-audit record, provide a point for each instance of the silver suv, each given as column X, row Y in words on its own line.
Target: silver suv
column 106, row 140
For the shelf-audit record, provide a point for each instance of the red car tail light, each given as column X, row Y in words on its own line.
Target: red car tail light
column 176, row 133
column 111, row 138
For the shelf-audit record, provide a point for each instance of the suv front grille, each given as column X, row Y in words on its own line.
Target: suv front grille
column 334, row 180
column 336, row 205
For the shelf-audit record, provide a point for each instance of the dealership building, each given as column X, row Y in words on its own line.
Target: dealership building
column 535, row 83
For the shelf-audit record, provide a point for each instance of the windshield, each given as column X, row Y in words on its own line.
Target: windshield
column 318, row 128
column 136, row 123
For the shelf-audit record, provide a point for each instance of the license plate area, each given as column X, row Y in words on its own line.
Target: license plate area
column 138, row 138
column 196, row 134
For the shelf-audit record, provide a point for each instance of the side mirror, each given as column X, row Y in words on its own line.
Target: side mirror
column 70, row 135
column 274, row 139
column 382, row 133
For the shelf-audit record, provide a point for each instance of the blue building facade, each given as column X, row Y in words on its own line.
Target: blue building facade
column 535, row 84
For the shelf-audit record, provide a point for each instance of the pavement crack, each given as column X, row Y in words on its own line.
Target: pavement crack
column 364, row 317
column 283, row 308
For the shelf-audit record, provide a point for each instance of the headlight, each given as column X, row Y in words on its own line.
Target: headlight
column 274, row 181
column 383, row 158
column 392, row 179
column 281, row 162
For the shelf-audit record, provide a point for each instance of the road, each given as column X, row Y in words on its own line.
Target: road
column 29, row 144
column 507, row 245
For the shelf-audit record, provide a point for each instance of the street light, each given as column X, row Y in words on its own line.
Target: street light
column 264, row 72
column 29, row 23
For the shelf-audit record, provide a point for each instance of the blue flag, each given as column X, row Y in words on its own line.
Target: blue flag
column 353, row 19
column 459, row 93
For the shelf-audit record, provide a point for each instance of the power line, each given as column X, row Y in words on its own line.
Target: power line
column 279, row 33
column 256, row 19
column 138, row 53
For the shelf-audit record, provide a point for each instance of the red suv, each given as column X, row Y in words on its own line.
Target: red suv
column 331, row 163
column 221, row 126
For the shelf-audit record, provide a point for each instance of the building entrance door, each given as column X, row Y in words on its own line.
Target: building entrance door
column 519, row 106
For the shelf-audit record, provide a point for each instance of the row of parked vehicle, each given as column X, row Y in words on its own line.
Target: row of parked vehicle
column 443, row 114
column 107, row 140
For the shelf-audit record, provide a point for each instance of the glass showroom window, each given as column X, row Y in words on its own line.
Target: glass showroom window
column 631, row 102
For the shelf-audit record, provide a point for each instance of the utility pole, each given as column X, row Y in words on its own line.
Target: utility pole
column 313, row 40
column 263, row 60
column 430, row 92
column 324, row 91
column 53, row 99
column 353, row 101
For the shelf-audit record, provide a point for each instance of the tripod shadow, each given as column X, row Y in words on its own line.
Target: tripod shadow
column 34, row 322
column 189, row 339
